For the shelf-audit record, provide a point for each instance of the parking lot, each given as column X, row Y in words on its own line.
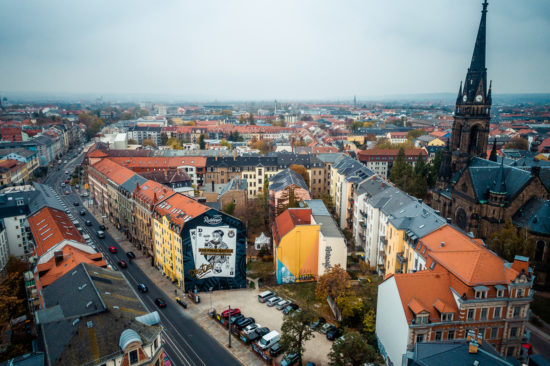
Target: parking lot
column 316, row 349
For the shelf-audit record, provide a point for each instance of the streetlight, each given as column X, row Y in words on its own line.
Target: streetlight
column 229, row 326
column 211, row 289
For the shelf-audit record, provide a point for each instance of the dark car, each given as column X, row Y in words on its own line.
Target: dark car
column 181, row 302
column 76, row 203
column 131, row 255
column 317, row 323
column 275, row 350
column 241, row 323
column 88, row 223
column 102, row 227
column 142, row 288
column 259, row 333
column 236, row 318
column 290, row 359
column 112, row 249
column 160, row 302
column 290, row 308
column 122, row 264
column 334, row 333
column 82, row 212
column 225, row 313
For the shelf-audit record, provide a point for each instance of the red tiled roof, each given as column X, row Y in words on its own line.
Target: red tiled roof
column 160, row 162
column 152, row 192
column 180, row 209
column 50, row 227
column 113, row 171
column 391, row 152
column 288, row 220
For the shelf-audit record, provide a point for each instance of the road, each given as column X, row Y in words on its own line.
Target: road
column 186, row 343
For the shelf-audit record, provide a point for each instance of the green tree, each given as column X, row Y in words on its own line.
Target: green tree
column 163, row 139
column 225, row 143
column 414, row 134
column 202, row 144
column 369, row 321
column 174, row 143
column 229, row 208
column 509, row 242
column 351, row 350
column 350, row 305
column 517, row 143
column 251, row 120
column 401, row 172
column 419, row 183
column 296, row 331
column 433, row 170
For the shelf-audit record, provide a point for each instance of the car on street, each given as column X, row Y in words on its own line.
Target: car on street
column 181, row 302
column 226, row 313
column 66, row 181
column 282, row 304
column 318, row 323
column 122, row 264
column 290, row 308
column 101, row 234
column 142, row 288
column 241, row 323
column 131, row 255
column 259, row 333
column 63, row 184
column 67, row 193
column 82, row 212
column 102, row 227
column 88, row 223
column 85, row 194
column 160, row 302
column 76, row 203
column 275, row 350
column 112, row 249
column 274, row 300
column 334, row 333
column 290, row 359
column 326, row 327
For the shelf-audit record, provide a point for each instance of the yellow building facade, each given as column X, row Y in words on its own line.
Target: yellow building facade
column 168, row 250
column 396, row 261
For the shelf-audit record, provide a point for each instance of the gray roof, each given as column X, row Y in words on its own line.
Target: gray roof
column 234, row 185
column 417, row 219
column 454, row 354
column 372, row 187
column 130, row 184
column 45, row 197
column 330, row 158
column 534, row 216
column 318, row 207
column 33, row 201
column 328, row 226
column 392, row 200
column 19, row 151
column 285, row 179
column 29, row 359
column 352, row 169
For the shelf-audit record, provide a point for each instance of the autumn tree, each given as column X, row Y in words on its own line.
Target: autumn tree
column 225, row 143
column 148, row 142
column 202, row 144
column 414, row 134
column 301, row 170
column 369, row 321
column 509, row 242
column 251, row 120
column 350, row 350
column 132, row 142
column 517, row 143
column 174, row 143
column 333, row 283
column 286, row 200
column 12, row 290
column 163, row 139
column 350, row 305
column 296, row 331
column 93, row 123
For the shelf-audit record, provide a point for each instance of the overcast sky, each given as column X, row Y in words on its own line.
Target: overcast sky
column 256, row 49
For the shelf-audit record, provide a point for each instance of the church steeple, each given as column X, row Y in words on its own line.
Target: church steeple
column 493, row 156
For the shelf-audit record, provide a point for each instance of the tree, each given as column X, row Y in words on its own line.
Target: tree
column 126, row 116
column 333, row 283
column 369, row 321
column 148, row 142
column 401, row 172
column 301, row 170
column 517, row 143
column 350, row 350
column 286, row 200
column 12, row 290
column 251, row 120
column 264, row 146
column 225, row 143
column 414, row 134
column 509, row 242
column 163, row 139
column 174, row 143
column 350, row 305
column 433, row 170
column 202, row 144
column 93, row 123
column 296, row 331
column 132, row 142
column 229, row 208
column 419, row 183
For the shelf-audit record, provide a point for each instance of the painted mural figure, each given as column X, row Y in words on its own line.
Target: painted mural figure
column 217, row 243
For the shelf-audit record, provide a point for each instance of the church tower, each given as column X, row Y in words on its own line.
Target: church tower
column 470, row 135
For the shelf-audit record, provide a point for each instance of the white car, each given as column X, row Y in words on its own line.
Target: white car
column 251, row 328
column 273, row 301
column 282, row 304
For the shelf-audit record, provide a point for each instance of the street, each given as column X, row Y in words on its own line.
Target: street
column 185, row 342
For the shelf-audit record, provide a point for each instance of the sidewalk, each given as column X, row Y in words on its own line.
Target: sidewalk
column 198, row 312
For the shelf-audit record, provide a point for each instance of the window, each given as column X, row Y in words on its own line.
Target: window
column 432, row 266
column 500, row 293
column 483, row 313
column 481, row 294
column 494, row 333
column 482, row 332
column 133, row 357
column 438, row 335
column 519, row 292
column 496, row 314
column 510, row 351
column 448, row 317
column 419, row 338
column 471, row 313
column 451, row 335
column 513, row 332
column 517, row 311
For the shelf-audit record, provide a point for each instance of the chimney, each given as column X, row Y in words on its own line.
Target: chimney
column 470, row 335
column 58, row 257
column 479, row 339
column 449, row 220
column 442, row 244
column 521, row 264
column 212, row 186
column 472, row 346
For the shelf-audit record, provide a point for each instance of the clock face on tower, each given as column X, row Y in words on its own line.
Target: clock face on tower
column 464, row 98
column 479, row 98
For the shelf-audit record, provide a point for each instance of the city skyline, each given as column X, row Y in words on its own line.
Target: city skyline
column 250, row 51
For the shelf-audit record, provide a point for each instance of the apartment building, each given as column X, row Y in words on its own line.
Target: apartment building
column 381, row 161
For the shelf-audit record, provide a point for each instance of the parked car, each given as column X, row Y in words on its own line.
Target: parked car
column 122, row 264
column 82, row 212
column 326, row 327
column 102, row 227
column 282, row 304
column 318, row 323
column 275, row 350
column 334, row 333
column 63, row 184
column 259, row 333
column 181, row 302
column 160, row 302
column 142, row 288
column 251, row 328
column 88, row 223
column 131, row 255
column 112, row 249
column 269, row 339
column 226, row 313
column 236, row 318
column 264, row 296
column 310, row 363
column 241, row 323
column 290, row 308
column 290, row 359
column 67, row 193
column 76, row 203
column 273, row 301
column 101, row 235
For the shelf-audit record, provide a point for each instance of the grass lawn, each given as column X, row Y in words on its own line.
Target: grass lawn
column 541, row 307
column 259, row 269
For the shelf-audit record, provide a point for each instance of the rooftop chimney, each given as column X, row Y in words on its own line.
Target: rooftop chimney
column 442, row 244
column 472, row 347
column 521, row 264
column 58, row 257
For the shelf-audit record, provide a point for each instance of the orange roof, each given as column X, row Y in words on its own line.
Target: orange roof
column 421, row 291
column 288, row 220
column 113, row 171
column 50, row 227
column 49, row 272
column 180, row 209
column 97, row 154
column 392, row 152
column 160, row 162
column 148, row 190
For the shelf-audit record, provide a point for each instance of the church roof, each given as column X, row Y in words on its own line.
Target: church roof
column 534, row 216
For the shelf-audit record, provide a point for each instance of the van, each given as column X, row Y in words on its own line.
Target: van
column 264, row 296
column 269, row 339
column 100, row 234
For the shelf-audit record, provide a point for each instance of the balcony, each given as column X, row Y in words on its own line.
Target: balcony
column 401, row 258
column 383, row 240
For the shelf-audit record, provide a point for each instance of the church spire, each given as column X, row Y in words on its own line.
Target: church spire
column 477, row 73
column 493, row 156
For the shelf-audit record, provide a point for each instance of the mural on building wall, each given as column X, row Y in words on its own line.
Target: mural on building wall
column 214, row 252
column 298, row 262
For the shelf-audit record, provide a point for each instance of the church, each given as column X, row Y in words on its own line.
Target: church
column 478, row 194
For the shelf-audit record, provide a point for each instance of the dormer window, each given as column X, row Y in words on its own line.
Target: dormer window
column 447, row 317
column 481, row 292
column 500, row 291
column 519, row 292
column 422, row 319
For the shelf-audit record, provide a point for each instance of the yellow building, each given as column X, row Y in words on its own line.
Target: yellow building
column 359, row 139
column 436, row 142
column 395, row 250
column 167, row 234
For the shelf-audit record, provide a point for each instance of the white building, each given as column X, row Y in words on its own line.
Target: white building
column 4, row 248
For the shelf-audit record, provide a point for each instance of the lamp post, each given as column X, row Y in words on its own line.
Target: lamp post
column 229, row 327
column 211, row 289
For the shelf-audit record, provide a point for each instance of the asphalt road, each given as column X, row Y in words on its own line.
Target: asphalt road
column 185, row 342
